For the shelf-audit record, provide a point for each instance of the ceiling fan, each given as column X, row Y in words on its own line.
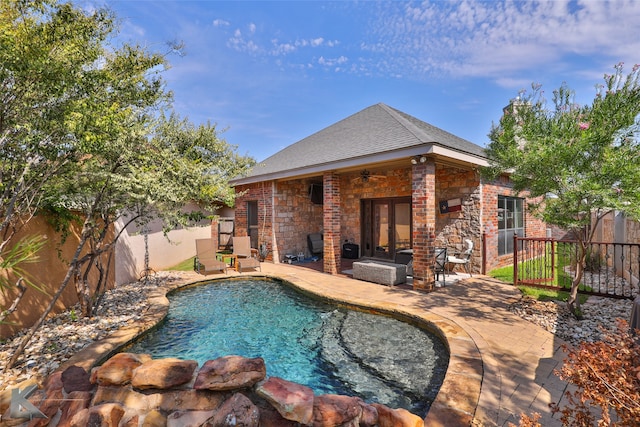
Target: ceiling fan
column 366, row 176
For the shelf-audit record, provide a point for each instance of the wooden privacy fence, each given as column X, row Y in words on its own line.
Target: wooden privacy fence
column 611, row 269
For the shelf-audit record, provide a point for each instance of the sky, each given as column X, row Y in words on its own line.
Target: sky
column 270, row 73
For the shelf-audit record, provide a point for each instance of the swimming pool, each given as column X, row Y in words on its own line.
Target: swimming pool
column 330, row 349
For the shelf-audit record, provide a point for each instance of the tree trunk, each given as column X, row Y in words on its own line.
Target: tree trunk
column 52, row 303
column 22, row 289
column 573, row 302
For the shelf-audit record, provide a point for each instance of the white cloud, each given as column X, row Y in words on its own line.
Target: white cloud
column 221, row 23
column 488, row 39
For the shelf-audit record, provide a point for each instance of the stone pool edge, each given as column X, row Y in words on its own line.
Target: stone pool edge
column 457, row 398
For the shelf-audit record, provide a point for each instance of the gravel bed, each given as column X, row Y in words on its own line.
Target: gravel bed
column 600, row 315
column 65, row 334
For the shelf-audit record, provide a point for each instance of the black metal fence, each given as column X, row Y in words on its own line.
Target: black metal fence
column 611, row 269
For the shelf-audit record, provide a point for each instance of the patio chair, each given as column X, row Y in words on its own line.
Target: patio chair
column 463, row 258
column 439, row 264
column 205, row 261
column 245, row 255
column 316, row 244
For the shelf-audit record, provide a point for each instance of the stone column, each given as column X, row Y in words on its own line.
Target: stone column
column 423, row 178
column 331, row 222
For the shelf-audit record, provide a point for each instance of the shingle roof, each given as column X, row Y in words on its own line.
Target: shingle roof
column 374, row 130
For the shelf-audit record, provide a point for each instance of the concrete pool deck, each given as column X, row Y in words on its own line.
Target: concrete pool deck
column 501, row 361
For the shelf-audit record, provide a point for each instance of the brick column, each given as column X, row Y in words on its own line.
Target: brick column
column 423, row 203
column 331, row 222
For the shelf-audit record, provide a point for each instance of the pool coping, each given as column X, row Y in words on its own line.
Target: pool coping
column 459, row 394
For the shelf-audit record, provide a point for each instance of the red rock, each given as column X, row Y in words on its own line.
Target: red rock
column 81, row 419
column 331, row 410
column 131, row 421
column 188, row 418
column 119, row 369
column 388, row 417
column 269, row 417
column 107, row 415
column 163, row 373
column 48, row 406
column 235, row 411
column 154, row 419
column 369, row 415
column 293, row 401
column 75, row 378
column 188, row 400
column 54, row 381
column 124, row 395
column 75, row 402
column 230, row 373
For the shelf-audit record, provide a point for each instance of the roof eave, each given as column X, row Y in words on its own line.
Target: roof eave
column 380, row 158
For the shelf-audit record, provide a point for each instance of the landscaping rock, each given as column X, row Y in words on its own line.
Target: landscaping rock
column 119, row 369
column 107, row 415
column 154, row 419
column 189, row 418
column 293, row 401
column 163, row 373
column 331, row 410
column 236, row 411
column 388, row 417
column 75, row 378
column 75, row 402
column 230, row 372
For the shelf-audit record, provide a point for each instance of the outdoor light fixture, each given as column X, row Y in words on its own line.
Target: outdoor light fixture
column 418, row 159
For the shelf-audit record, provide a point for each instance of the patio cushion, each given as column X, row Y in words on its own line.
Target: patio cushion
column 385, row 273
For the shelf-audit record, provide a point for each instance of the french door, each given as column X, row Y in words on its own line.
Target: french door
column 386, row 226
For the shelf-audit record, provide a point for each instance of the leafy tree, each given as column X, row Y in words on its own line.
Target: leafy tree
column 44, row 51
column 109, row 149
column 577, row 162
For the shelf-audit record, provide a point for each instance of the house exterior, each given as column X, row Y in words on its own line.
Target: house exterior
column 386, row 182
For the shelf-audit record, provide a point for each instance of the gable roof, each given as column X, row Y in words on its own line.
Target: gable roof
column 377, row 133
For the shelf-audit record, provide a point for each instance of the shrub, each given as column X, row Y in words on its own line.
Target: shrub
column 606, row 376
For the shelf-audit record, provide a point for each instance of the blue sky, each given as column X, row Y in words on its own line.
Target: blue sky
column 271, row 73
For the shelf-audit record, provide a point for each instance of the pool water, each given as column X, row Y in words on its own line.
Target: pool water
column 330, row 349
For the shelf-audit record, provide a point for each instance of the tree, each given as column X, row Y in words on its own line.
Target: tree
column 44, row 50
column 577, row 162
column 116, row 153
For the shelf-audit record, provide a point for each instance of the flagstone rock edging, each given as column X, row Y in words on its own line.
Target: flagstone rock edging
column 135, row 390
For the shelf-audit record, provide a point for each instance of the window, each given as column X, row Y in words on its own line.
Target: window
column 510, row 221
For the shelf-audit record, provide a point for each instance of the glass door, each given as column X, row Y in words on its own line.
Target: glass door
column 386, row 226
column 402, row 226
column 381, row 229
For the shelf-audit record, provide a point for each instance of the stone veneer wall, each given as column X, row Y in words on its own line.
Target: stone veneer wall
column 295, row 217
column 454, row 227
column 135, row 390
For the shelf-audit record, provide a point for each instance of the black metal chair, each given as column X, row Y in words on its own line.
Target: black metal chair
column 439, row 264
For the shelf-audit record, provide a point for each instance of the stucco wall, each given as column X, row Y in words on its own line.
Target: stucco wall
column 47, row 273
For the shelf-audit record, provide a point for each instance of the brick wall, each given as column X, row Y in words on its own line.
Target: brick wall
column 534, row 227
column 423, row 205
column 391, row 183
column 331, row 210
column 262, row 194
